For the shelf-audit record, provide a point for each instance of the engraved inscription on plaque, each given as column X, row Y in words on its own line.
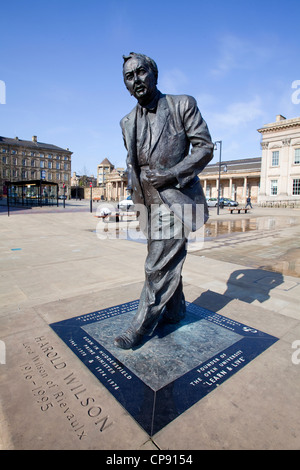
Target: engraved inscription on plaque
column 167, row 374
column 55, row 388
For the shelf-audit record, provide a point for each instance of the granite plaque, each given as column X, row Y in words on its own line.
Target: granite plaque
column 169, row 373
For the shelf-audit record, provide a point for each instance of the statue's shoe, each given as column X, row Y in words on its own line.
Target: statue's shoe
column 166, row 318
column 128, row 339
column 168, row 315
column 172, row 321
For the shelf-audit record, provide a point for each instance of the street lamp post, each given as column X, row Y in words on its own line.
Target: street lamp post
column 219, row 181
column 91, row 198
column 64, row 195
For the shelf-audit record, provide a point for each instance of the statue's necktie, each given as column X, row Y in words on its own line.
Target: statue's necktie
column 144, row 136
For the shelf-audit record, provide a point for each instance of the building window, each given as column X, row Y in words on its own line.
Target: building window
column 24, row 162
column 58, row 166
column 296, row 187
column 49, row 165
column 275, row 158
column 274, row 187
column 15, row 161
column 42, row 164
column 65, row 177
column 32, row 163
column 4, row 159
column 297, row 157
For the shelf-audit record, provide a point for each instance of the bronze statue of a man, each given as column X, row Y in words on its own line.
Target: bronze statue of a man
column 162, row 175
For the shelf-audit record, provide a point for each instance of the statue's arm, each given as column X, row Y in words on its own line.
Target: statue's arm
column 201, row 153
column 201, row 144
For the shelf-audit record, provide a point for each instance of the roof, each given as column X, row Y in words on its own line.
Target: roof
column 246, row 164
column 280, row 124
column 106, row 162
column 31, row 144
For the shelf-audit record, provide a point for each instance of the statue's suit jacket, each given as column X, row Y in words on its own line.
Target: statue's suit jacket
column 179, row 125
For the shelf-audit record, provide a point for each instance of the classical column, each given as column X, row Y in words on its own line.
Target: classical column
column 245, row 189
column 264, row 166
column 285, row 167
column 230, row 188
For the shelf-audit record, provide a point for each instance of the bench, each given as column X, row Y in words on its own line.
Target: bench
column 238, row 209
column 116, row 216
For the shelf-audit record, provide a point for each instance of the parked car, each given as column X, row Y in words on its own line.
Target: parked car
column 212, row 202
column 126, row 204
column 228, row 202
column 224, row 201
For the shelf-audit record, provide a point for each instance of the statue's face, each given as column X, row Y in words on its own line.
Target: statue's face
column 139, row 79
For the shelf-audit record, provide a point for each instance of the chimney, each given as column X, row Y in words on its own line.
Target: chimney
column 279, row 117
column 34, row 138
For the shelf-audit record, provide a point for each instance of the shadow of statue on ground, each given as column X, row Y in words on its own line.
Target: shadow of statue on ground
column 246, row 285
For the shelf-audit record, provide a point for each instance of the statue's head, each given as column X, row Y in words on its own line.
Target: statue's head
column 140, row 76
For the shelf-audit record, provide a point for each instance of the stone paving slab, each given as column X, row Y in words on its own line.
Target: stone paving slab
column 49, row 398
column 59, row 405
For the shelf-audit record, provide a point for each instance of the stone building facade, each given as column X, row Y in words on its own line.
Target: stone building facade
column 23, row 160
column 238, row 179
column 280, row 169
column 111, row 182
column 103, row 169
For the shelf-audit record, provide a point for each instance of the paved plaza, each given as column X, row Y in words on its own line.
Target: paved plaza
column 55, row 266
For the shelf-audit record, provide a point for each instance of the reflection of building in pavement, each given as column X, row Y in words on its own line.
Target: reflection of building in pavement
column 280, row 168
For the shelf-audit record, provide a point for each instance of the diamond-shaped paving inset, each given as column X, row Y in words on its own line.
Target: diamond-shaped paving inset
column 169, row 372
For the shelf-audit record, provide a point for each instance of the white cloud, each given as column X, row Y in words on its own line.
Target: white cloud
column 172, row 81
column 236, row 53
column 236, row 125
column 237, row 115
column 229, row 53
column 205, row 100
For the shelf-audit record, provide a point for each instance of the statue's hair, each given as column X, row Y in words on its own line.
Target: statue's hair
column 150, row 62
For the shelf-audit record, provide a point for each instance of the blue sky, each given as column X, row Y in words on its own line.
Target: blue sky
column 61, row 62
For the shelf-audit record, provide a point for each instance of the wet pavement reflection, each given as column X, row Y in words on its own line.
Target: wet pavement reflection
column 268, row 243
column 265, row 242
column 219, row 228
